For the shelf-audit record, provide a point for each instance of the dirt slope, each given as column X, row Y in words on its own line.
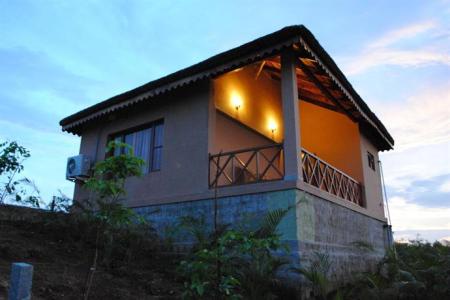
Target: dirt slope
column 61, row 265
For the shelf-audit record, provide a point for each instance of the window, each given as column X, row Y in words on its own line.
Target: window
column 147, row 143
column 371, row 160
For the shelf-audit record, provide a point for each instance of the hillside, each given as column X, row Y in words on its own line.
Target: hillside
column 61, row 260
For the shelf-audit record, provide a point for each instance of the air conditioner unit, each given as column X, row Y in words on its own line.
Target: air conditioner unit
column 78, row 167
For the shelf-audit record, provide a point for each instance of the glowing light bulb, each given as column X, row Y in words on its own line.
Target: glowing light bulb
column 272, row 125
column 236, row 100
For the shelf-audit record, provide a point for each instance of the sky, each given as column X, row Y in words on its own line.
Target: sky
column 58, row 57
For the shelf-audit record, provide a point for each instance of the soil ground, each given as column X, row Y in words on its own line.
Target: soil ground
column 61, row 267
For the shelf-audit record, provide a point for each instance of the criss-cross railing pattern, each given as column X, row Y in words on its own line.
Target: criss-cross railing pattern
column 322, row 175
column 246, row 166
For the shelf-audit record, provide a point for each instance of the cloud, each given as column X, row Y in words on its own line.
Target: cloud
column 406, row 215
column 397, row 48
column 403, row 33
column 445, row 187
column 423, row 119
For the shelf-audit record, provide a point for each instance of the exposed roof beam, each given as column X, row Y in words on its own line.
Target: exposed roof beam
column 319, row 103
column 322, row 88
column 260, row 68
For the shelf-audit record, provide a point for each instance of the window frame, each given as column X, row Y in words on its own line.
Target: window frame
column 150, row 125
column 371, row 160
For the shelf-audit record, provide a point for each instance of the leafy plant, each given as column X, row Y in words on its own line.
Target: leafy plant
column 317, row 273
column 106, row 208
column 60, row 203
column 12, row 156
column 390, row 281
column 234, row 263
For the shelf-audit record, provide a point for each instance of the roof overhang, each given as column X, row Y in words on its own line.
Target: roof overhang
column 297, row 36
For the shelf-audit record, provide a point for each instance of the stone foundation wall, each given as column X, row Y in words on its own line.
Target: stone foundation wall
column 353, row 241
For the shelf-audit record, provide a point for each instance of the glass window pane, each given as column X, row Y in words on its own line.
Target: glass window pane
column 129, row 139
column 142, row 147
column 117, row 150
column 159, row 133
column 157, row 153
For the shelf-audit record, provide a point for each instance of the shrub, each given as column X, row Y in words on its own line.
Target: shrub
column 235, row 263
column 417, row 271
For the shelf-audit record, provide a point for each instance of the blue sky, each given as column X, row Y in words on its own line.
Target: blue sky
column 57, row 57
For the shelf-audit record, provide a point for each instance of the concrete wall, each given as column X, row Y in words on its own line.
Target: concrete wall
column 314, row 224
column 260, row 99
column 184, row 169
column 331, row 136
column 372, row 179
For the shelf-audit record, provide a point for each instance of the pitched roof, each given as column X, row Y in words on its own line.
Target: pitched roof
column 247, row 53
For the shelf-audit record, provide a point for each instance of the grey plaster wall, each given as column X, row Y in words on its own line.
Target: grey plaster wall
column 184, row 169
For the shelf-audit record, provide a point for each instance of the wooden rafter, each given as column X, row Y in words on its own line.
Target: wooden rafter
column 323, row 89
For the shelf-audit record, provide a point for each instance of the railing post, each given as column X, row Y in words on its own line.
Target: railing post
column 291, row 118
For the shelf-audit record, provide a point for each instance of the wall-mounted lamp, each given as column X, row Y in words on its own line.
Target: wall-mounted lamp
column 236, row 100
column 273, row 127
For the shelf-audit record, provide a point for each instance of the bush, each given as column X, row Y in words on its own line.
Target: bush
column 234, row 263
column 417, row 271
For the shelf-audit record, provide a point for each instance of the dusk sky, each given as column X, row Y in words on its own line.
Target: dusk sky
column 58, row 57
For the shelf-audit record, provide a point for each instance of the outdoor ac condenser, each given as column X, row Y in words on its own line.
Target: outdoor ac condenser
column 78, row 167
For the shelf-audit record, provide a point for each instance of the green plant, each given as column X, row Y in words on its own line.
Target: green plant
column 234, row 263
column 317, row 273
column 12, row 156
column 390, row 281
column 105, row 208
column 60, row 203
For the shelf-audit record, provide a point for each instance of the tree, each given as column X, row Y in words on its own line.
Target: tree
column 12, row 156
column 106, row 207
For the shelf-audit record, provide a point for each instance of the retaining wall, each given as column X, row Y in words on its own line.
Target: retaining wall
column 353, row 241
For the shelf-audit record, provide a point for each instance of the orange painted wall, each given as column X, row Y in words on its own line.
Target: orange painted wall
column 331, row 136
column 232, row 136
column 260, row 97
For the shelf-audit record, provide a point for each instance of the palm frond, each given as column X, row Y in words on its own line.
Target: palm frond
column 271, row 221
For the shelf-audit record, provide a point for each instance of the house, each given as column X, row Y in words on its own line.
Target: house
column 272, row 123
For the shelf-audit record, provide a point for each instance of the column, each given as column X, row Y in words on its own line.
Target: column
column 291, row 116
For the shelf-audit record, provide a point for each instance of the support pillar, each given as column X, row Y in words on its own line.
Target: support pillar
column 291, row 117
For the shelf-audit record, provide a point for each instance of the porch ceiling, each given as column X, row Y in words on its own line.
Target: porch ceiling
column 314, row 86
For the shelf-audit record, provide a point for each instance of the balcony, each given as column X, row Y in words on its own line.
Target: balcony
column 263, row 164
column 324, row 176
column 251, row 165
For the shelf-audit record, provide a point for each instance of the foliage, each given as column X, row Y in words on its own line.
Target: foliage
column 109, row 175
column 233, row 263
column 108, row 186
column 60, row 203
column 318, row 274
column 429, row 264
column 417, row 271
column 113, row 220
column 12, row 156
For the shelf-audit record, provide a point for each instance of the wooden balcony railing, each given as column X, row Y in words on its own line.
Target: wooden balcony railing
column 262, row 164
column 322, row 175
column 245, row 166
